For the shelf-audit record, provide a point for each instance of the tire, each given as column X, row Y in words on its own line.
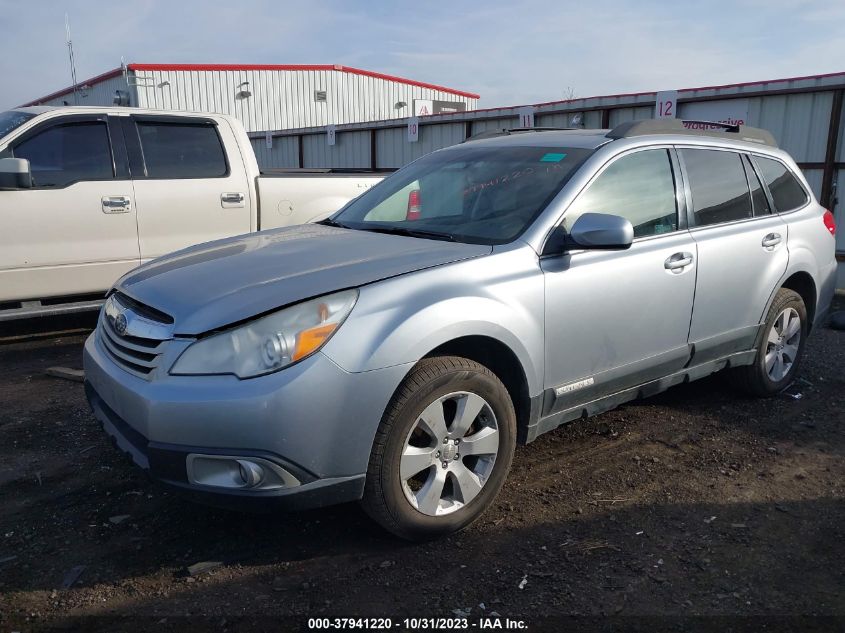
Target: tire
column 762, row 378
column 438, row 500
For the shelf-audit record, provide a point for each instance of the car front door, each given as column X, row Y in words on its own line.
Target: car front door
column 619, row 318
column 74, row 232
column 187, row 189
column 742, row 250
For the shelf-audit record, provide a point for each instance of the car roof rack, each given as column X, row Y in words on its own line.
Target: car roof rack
column 514, row 130
column 693, row 128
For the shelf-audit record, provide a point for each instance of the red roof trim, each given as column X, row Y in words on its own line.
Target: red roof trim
column 337, row 67
column 66, row 91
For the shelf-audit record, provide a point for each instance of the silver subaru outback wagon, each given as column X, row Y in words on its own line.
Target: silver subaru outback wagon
column 484, row 294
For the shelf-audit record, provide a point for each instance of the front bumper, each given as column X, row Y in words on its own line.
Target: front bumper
column 313, row 420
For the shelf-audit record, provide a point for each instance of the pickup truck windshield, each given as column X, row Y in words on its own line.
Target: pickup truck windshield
column 486, row 195
column 11, row 120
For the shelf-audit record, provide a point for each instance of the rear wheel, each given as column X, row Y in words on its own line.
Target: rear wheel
column 780, row 349
column 442, row 451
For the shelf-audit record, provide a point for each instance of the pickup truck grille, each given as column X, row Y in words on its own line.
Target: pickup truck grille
column 133, row 340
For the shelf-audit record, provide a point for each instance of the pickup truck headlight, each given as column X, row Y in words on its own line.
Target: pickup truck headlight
column 270, row 343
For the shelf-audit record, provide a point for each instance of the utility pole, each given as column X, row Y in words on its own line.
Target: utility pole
column 72, row 63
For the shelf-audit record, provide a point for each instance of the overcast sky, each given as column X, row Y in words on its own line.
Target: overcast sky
column 510, row 53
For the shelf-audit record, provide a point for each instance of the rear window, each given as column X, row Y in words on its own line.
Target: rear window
column 175, row 150
column 787, row 192
column 718, row 185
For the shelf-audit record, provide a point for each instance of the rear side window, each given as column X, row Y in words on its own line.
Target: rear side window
column 175, row 150
column 67, row 153
column 718, row 185
column 639, row 187
column 787, row 192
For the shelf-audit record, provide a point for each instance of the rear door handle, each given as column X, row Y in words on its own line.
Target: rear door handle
column 677, row 262
column 116, row 204
column 235, row 199
column 771, row 240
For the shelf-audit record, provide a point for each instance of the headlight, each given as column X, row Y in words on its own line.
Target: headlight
column 271, row 342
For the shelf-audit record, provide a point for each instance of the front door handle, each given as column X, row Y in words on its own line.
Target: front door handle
column 677, row 262
column 771, row 240
column 116, row 204
column 235, row 199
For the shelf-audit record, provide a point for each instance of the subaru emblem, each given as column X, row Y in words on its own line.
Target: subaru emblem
column 120, row 324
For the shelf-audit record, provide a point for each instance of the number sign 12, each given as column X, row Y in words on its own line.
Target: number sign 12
column 666, row 104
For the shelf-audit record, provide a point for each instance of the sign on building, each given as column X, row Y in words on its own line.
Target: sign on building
column 526, row 116
column 425, row 107
column 729, row 111
column 331, row 134
column 413, row 129
column 666, row 104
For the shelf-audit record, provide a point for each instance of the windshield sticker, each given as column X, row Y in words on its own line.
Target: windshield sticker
column 552, row 158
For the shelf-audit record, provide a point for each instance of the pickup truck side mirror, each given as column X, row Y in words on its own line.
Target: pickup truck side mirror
column 601, row 231
column 15, row 173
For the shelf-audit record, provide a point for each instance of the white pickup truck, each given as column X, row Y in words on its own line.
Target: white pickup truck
column 86, row 194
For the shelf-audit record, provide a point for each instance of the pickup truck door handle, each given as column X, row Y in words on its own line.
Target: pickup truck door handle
column 677, row 262
column 116, row 204
column 232, row 199
column 771, row 240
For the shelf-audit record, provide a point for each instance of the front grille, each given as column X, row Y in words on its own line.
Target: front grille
column 139, row 355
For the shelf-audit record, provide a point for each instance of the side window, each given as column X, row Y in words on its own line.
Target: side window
column 787, row 192
column 639, row 187
column 718, row 185
column 758, row 196
column 176, row 150
column 69, row 152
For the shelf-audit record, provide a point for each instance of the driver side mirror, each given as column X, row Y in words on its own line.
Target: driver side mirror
column 601, row 231
column 15, row 173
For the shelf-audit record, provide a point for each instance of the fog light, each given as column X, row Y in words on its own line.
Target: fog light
column 242, row 472
column 251, row 473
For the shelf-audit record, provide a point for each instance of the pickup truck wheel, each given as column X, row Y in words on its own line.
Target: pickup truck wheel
column 780, row 349
column 442, row 451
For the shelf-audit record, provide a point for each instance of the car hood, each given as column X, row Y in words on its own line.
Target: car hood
column 213, row 285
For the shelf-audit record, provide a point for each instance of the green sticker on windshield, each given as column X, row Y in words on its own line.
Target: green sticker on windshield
column 552, row 158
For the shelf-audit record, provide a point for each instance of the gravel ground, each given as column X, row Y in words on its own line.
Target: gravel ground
column 697, row 502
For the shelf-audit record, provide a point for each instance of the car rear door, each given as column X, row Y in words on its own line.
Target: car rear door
column 74, row 232
column 742, row 251
column 188, row 188
column 619, row 318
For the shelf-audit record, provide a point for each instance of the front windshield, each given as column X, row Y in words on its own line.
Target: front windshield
column 487, row 194
column 11, row 120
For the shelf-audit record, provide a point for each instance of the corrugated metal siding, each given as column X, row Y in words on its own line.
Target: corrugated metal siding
column 590, row 119
column 393, row 149
column 799, row 122
column 99, row 94
column 284, row 154
column 284, row 99
column 639, row 113
column 350, row 150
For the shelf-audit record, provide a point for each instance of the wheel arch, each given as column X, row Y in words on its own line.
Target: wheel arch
column 502, row 361
column 802, row 283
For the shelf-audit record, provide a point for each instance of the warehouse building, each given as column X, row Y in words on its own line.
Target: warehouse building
column 266, row 97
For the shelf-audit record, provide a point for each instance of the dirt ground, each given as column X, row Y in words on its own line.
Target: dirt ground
column 697, row 502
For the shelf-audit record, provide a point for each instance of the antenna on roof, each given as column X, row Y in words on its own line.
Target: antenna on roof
column 72, row 62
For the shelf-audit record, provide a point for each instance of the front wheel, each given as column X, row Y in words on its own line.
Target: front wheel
column 442, row 451
column 780, row 350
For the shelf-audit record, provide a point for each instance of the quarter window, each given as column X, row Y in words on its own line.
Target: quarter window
column 67, row 153
column 175, row 150
column 758, row 196
column 787, row 192
column 639, row 187
column 718, row 185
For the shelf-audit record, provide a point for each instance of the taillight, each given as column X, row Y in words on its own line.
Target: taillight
column 414, row 205
column 829, row 222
